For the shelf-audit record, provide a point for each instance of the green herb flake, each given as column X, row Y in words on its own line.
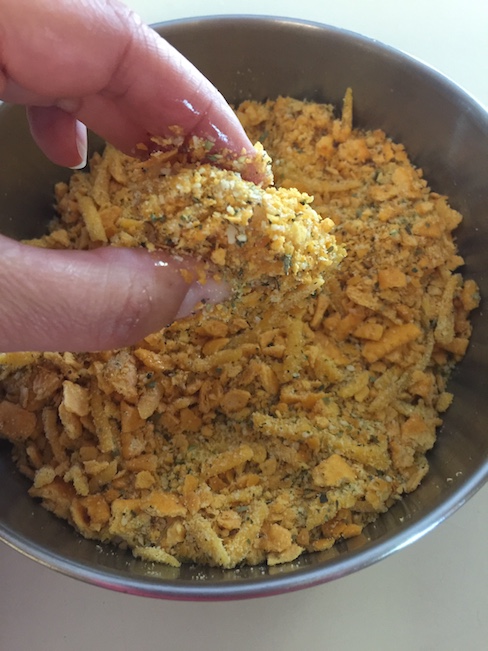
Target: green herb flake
column 287, row 260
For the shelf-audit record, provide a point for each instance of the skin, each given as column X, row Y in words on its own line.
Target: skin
column 93, row 63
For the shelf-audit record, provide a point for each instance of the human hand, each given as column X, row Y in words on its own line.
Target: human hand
column 95, row 63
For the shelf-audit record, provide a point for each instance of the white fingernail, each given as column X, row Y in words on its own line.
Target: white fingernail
column 81, row 145
column 198, row 295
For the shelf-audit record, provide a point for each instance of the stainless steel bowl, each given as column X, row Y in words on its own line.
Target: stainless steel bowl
column 446, row 133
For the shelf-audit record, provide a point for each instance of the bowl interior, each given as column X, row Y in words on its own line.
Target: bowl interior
column 445, row 132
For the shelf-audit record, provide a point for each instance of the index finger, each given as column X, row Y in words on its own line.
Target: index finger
column 115, row 74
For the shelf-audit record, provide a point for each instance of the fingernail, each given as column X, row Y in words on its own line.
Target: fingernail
column 81, row 145
column 198, row 295
column 181, row 287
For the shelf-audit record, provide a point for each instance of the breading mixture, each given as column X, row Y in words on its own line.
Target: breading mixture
column 293, row 414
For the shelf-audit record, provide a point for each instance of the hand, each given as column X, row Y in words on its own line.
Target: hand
column 92, row 63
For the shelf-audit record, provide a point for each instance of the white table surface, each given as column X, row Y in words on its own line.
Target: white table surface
column 432, row 595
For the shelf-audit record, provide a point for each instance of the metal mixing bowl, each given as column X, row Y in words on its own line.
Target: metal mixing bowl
column 445, row 132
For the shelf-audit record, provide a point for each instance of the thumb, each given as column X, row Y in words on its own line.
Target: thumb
column 59, row 300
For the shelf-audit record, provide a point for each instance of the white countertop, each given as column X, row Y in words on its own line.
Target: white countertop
column 432, row 595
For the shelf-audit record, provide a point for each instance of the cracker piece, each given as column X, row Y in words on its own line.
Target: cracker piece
column 156, row 555
column 16, row 423
column 92, row 219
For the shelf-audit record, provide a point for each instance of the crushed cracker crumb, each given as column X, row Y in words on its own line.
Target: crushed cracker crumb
column 288, row 417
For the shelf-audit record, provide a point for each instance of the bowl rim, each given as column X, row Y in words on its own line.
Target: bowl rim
column 290, row 21
column 342, row 565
